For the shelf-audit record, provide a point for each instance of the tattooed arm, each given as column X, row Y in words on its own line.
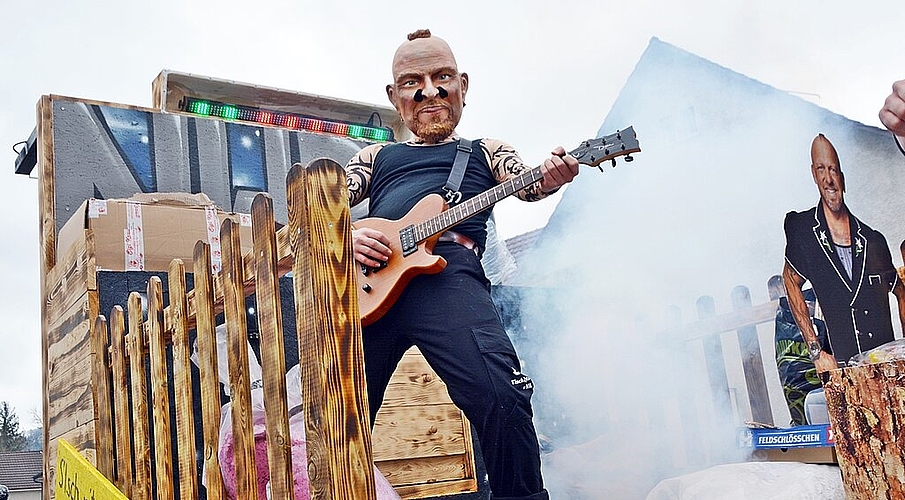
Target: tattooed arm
column 358, row 173
column 369, row 246
column 505, row 163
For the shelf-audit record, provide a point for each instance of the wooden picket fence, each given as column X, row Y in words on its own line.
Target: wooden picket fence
column 316, row 247
column 711, row 329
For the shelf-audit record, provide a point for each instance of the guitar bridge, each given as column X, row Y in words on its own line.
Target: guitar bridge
column 407, row 240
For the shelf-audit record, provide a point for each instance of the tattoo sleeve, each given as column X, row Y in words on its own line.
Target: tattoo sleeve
column 506, row 163
column 358, row 173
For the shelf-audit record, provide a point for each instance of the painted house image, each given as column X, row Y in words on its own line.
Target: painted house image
column 636, row 263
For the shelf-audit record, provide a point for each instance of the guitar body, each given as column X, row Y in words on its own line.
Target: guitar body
column 378, row 289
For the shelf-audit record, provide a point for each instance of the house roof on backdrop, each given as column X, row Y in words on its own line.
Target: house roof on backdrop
column 18, row 469
column 523, row 243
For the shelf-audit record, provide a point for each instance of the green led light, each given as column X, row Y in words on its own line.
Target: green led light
column 229, row 112
column 356, row 131
column 378, row 134
column 201, row 108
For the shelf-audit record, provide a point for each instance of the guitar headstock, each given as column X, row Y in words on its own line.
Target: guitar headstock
column 593, row 152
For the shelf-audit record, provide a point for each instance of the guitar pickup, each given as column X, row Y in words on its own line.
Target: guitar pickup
column 407, row 240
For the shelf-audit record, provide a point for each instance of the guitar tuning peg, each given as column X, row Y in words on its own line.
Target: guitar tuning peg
column 619, row 135
column 599, row 167
column 629, row 158
column 614, row 162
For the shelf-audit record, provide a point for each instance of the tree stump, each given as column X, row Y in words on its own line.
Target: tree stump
column 867, row 412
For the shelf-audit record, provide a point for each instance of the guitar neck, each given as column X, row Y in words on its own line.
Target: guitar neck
column 472, row 206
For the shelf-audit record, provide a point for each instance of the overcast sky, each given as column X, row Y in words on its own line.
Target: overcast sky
column 542, row 74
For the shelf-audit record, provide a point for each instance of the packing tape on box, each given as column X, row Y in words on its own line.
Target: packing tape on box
column 133, row 239
column 213, row 237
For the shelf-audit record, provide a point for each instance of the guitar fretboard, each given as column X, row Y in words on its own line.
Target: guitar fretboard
column 472, row 206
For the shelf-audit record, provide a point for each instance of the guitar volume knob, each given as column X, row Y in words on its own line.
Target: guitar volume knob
column 366, row 287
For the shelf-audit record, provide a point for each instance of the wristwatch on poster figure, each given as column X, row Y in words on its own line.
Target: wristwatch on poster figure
column 814, row 350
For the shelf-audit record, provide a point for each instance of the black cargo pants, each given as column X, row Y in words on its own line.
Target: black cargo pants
column 452, row 320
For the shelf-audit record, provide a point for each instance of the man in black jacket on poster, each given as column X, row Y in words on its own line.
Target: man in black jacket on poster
column 848, row 265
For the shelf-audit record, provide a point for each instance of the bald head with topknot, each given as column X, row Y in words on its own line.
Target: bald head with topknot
column 427, row 91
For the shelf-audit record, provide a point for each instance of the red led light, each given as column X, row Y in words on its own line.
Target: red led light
column 265, row 117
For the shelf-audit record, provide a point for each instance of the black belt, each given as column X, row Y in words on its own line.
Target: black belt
column 461, row 239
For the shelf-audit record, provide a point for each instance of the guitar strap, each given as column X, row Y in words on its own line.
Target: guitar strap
column 454, row 182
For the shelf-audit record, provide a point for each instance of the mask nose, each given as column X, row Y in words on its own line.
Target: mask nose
column 419, row 94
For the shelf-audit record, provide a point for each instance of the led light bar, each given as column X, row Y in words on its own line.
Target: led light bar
column 214, row 109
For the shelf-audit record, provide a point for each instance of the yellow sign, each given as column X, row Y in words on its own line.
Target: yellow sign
column 77, row 479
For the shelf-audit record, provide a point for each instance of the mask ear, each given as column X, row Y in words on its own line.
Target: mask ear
column 391, row 95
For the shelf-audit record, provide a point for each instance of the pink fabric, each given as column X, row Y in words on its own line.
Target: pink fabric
column 299, row 462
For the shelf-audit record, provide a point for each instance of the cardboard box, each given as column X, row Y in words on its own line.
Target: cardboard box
column 812, row 444
column 149, row 230
column 808, row 455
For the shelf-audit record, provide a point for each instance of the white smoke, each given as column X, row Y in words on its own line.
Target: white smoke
column 622, row 392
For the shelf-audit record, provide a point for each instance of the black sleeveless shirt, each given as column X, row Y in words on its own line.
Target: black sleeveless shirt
column 402, row 175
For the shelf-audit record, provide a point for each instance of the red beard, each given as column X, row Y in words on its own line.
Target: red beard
column 434, row 131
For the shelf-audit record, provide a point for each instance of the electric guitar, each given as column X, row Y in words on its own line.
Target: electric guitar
column 413, row 237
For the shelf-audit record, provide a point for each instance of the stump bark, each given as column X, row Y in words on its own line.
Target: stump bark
column 867, row 412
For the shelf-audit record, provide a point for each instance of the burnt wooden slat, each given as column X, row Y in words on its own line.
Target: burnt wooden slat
column 437, row 488
column 273, row 357
column 233, row 279
column 160, row 397
column 100, row 384
column 47, row 261
column 408, row 472
column 182, row 378
column 207, row 369
column 122, row 424
column 329, row 326
column 68, row 392
column 135, row 346
column 69, row 280
column 419, row 432
column 414, row 383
